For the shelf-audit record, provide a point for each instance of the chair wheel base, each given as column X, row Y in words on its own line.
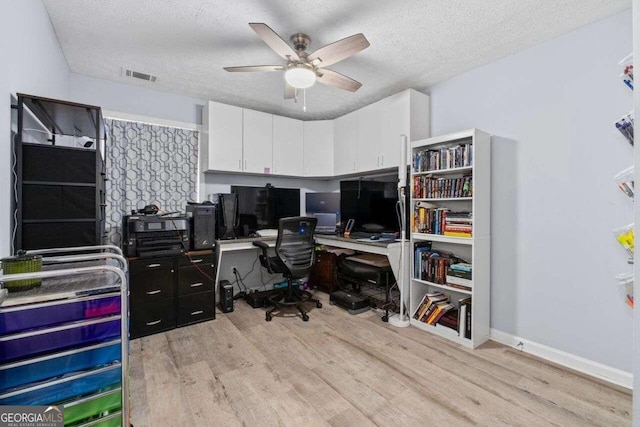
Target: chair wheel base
column 269, row 317
column 319, row 304
column 305, row 318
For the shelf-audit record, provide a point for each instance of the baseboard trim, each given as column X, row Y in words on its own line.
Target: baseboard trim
column 577, row 363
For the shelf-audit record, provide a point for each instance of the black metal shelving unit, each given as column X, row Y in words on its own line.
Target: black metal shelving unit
column 60, row 190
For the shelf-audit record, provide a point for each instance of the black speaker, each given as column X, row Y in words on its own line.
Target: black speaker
column 226, row 296
column 227, row 216
column 203, row 225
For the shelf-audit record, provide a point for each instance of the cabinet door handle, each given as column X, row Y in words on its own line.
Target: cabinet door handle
column 245, row 165
column 195, row 313
column 378, row 161
column 196, row 261
column 155, row 322
column 354, row 166
column 153, row 265
column 157, row 291
column 239, row 165
column 195, row 285
column 381, row 160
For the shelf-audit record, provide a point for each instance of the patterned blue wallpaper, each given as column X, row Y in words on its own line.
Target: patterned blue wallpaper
column 148, row 164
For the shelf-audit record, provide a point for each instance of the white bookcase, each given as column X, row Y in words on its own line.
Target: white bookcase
column 476, row 249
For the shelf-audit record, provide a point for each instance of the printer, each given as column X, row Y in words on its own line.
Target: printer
column 155, row 235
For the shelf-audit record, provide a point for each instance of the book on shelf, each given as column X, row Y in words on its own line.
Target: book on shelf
column 450, row 319
column 458, row 280
column 462, row 286
column 462, row 266
column 418, row 307
column 458, row 228
column 464, row 320
column 419, row 248
column 431, row 306
column 456, row 234
column 440, row 310
column 427, row 304
column 459, row 274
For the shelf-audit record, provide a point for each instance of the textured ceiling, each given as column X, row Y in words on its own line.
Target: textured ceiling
column 414, row 43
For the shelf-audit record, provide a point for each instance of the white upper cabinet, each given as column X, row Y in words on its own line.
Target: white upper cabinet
column 288, row 140
column 345, row 144
column 369, row 137
column 257, row 129
column 366, row 140
column 405, row 113
column 395, row 122
column 380, row 126
column 318, row 148
column 222, row 138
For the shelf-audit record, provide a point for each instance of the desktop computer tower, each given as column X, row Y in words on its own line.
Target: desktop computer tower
column 227, row 216
column 226, row 296
column 202, row 219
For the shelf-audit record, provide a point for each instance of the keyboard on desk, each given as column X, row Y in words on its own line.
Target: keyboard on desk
column 362, row 235
column 267, row 232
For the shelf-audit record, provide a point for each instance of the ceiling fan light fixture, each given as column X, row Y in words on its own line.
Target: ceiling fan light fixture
column 300, row 77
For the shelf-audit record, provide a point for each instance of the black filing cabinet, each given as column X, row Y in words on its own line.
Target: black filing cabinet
column 170, row 292
column 196, row 291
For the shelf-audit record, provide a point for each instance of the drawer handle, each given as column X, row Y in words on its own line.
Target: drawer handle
column 157, row 291
column 195, row 313
column 196, row 261
column 195, row 285
column 154, row 322
column 153, row 265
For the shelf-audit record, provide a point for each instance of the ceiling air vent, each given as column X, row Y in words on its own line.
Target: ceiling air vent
column 139, row 75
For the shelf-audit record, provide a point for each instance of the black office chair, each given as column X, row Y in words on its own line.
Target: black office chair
column 295, row 255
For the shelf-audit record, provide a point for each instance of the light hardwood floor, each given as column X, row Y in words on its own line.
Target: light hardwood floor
column 343, row 370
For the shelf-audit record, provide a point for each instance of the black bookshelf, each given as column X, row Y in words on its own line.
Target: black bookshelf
column 60, row 190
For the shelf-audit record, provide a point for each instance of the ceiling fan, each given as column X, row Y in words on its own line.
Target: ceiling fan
column 303, row 69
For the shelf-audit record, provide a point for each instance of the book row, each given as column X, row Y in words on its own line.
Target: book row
column 458, row 156
column 441, row 267
column 437, row 309
column 442, row 221
column 431, row 187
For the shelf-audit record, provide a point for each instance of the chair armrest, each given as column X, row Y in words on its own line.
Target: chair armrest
column 262, row 245
column 264, row 257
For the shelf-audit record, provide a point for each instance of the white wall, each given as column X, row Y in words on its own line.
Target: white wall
column 126, row 98
column 554, row 203
column 31, row 62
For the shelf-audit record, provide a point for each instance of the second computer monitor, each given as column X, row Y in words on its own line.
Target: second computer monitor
column 322, row 203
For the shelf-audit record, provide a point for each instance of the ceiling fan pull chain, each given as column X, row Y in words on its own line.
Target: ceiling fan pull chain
column 304, row 100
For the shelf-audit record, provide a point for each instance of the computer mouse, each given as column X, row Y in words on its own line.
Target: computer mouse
column 375, row 237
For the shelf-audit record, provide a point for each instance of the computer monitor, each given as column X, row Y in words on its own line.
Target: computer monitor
column 262, row 207
column 371, row 204
column 327, row 222
column 322, row 203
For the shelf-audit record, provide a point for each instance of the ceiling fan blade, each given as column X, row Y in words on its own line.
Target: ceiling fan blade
column 289, row 92
column 255, row 68
column 333, row 78
column 337, row 51
column 274, row 41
